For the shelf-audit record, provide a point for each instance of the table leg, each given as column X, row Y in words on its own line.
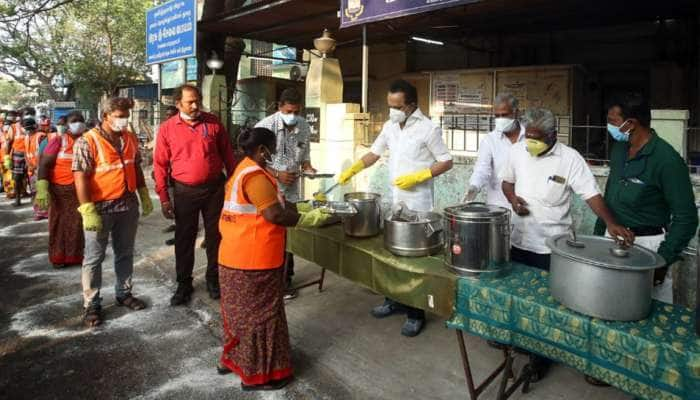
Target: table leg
column 318, row 282
column 475, row 392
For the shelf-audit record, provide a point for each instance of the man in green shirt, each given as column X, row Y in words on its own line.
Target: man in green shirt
column 648, row 189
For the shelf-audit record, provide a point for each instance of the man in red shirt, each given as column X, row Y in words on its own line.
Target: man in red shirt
column 194, row 149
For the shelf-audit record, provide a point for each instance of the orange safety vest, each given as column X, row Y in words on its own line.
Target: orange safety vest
column 62, row 172
column 20, row 140
column 32, row 154
column 248, row 240
column 114, row 173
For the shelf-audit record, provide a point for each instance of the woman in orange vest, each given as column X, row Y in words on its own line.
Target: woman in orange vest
column 55, row 192
column 19, row 145
column 8, row 128
column 37, row 140
column 251, row 276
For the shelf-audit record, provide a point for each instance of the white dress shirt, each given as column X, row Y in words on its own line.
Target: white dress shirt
column 546, row 184
column 417, row 146
column 493, row 154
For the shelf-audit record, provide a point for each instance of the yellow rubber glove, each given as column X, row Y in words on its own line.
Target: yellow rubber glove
column 146, row 203
column 43, row 197
column 92, row 221
column 7, row 162
column 312, row 219
column 408, row 181
column 320, row 197
column 350, row 172
column 304, row 207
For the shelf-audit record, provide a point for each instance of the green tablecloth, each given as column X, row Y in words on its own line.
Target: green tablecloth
column 656, row 358
column 419, row 282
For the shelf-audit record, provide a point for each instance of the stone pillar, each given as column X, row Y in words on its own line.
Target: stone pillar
column 672, row 126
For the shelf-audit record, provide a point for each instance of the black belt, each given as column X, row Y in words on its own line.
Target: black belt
column 648, row 230
column 211, row 183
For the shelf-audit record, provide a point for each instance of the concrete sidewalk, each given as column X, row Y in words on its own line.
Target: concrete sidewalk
column 339, row 350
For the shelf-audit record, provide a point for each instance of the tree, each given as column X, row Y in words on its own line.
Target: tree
column 96, row 44
column 12, row 94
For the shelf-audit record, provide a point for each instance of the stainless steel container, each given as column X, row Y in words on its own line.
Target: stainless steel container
column 597, row 278
column 414, row 238
column 477, row 239
column 367, row 221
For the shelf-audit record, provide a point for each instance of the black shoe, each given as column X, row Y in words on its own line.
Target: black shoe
column 388, row 308
column 170, row 228
column 539, row 367
column 214, row 290
column 170, row 242
column 290, row 293
column 182, row 295
column 222, row 369
column 412, row 327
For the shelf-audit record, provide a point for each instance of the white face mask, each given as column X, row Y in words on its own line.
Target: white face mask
column 504, row 124
column 289, row 119
column 76, row 128
column 397, row 116
column 185, row 116
column 119, row 124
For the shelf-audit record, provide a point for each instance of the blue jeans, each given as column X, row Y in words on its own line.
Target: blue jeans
column 122, row 226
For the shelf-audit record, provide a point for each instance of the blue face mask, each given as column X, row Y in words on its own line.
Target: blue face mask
column 289, row 119
column 617, row 133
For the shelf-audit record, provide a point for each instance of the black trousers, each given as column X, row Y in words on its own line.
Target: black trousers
column 529, row 258
column 190, row 202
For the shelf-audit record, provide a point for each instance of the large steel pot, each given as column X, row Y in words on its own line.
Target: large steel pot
column 477, row 239
column 419, row 238
column 593, row 276
column 367, row 221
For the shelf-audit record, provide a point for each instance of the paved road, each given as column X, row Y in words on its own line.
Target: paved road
column 162, row 352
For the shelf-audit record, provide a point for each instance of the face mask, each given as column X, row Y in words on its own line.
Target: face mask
column 504, row 124
column 77, row 128
column 186, row 117
column 397, row 116
column 617, row 134
column 61, row 129
column 119, row 124
column 267, row 156
column 536, row 147
column 289, row 119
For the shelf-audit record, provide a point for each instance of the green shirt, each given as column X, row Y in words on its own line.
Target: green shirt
column 652, row 189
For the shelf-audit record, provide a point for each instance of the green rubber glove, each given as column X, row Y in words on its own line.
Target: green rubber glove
column 146, row 203
column 304, row 207
column 7, row 162
column 346, row 175
column 92, row 221
column 43, row 197
column 312, row 219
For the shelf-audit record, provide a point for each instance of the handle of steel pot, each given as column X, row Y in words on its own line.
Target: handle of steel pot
column 430, row 229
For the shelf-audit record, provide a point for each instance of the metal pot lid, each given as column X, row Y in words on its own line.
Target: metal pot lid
column 475, row 209
column 603, row 252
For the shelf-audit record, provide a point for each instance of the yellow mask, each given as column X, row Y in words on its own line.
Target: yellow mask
column 535, row 147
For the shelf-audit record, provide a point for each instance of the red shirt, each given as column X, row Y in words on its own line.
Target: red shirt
column 191, row 154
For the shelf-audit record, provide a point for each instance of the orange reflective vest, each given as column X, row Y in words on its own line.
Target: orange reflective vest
column 114, row 173
column 248, row 240
column 20, row 140
column 32, row 154
column 62, row 172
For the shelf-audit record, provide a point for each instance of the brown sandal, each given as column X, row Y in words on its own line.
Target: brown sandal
column 93, row 316
column 272, row 385
column 131, row 302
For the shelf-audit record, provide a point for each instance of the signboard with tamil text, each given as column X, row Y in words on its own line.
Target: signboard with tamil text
column 357, row 12
column 171, row 31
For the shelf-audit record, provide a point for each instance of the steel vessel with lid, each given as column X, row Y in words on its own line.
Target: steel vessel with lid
column 477, row 239
column 596, row 277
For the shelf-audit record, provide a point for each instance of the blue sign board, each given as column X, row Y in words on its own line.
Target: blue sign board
column 171, row 31
column 357, row 12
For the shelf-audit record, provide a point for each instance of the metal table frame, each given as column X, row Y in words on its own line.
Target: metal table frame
column 506, row 367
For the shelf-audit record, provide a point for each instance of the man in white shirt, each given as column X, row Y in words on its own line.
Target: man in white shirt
column 538, row 181
column 494, row 150
column 417, row 154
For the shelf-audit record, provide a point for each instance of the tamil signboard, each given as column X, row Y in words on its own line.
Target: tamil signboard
column 171, row 31
column 357, row 12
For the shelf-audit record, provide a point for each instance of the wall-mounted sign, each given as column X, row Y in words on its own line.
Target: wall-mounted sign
column 172, row 74
column 171, row 31
column 313, row 118
column 357, row 12
column 191, row 69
